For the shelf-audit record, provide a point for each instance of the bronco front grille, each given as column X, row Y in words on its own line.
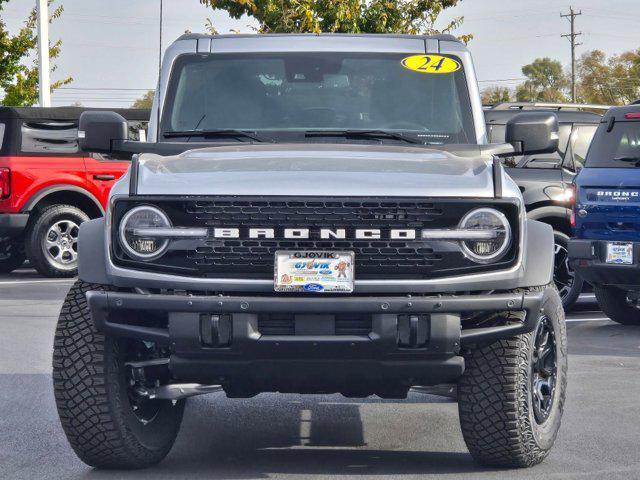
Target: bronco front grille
column 374, row 258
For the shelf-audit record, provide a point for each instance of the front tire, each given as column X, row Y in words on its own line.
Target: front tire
column 105, row 425
column 511, row 395
column 52, row 240
column 613, row 302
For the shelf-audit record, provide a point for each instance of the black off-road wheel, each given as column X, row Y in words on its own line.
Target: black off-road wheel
column 511, row 396
column 106, row 422
column 568, row 283
column 52, row 240
column 616, row 305
column 12, row 255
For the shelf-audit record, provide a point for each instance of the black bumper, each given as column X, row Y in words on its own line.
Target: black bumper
column 587, row 257
column 13, row 224
column 242, row 342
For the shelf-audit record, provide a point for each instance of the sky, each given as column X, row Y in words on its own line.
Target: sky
column 110, row 48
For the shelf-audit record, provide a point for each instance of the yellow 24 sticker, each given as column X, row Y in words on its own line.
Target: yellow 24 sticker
column 431, row 64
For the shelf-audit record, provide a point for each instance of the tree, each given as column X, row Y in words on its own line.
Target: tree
column 546, row 82
column 19, row 79
column 342, row 16
column 145, row 100
column 210, row 28
column 613, row 81
column 493, row 95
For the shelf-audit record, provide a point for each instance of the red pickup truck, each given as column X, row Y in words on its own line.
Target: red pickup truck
column 48, row 187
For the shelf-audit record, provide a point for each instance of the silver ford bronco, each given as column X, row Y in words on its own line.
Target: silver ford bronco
column 312, row 214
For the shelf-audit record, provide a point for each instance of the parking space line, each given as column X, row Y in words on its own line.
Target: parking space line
column 41, row 280
column 594, row 319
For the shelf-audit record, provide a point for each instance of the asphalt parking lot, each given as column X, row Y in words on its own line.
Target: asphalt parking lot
column 290, row 436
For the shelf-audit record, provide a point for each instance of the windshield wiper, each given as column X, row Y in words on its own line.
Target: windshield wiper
column 635, row 160
column 220, row 132
column 363, row 134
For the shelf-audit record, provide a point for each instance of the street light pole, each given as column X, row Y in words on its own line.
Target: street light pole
column 44, row 81
column 160, row 42
column 157, row 95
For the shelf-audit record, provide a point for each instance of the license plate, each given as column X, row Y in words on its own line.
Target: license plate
column 313, row 271
column 620, row 253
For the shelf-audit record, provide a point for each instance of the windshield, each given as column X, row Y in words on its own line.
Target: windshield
column 287, row 94
column 618, row 148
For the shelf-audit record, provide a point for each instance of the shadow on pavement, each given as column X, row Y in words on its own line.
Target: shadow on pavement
column 604, row 338
column 297, row 438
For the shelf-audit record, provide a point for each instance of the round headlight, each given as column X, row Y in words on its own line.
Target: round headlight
column 493, row 237
column 143, row 247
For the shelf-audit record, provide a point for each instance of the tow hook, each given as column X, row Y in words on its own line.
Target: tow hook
column 147, row 378
column 633, row 299
column 177, row 391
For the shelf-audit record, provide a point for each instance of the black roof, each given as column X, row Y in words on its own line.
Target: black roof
column 564, row 116
column 67, row 113
column 619, row 112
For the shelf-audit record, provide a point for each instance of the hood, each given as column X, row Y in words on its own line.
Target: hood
column 315, row 170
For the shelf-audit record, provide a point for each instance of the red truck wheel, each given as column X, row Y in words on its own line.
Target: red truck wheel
column 52, row 240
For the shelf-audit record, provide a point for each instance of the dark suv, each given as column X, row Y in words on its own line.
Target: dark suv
column 606, row 246
column 545, row 179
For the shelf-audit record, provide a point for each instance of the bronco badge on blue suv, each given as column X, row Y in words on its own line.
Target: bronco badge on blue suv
column 607, row 224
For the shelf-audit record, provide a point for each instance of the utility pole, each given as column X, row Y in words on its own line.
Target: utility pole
column 572, row 38
column 44, row 82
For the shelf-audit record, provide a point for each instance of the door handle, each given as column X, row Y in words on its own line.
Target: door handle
column 104, row 177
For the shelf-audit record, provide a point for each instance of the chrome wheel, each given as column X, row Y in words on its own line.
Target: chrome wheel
column 60, row 244
column 544, row 370
column 563, row 275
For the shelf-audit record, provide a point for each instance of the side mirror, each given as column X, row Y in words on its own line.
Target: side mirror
column 533, row 132
column 99, row 130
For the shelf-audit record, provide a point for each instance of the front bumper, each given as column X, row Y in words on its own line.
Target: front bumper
column 221, row 339
column 587, row 258
column 13, row 224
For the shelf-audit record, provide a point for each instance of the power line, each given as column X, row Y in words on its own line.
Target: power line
column 572, row 38
column 611, row 17
column 105, row 89
column 517, row 79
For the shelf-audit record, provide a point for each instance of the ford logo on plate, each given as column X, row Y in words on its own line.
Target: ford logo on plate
column 313, row 287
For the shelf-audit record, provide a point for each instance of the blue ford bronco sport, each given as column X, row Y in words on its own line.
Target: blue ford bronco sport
column 607, row 223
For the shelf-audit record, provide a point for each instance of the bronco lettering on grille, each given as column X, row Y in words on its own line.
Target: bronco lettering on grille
column 323, row 233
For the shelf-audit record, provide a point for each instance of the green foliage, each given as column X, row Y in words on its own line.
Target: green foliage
column 546, row 82
column 18, row 80
column 609, row 81
column 494, row 95
column 342, row 16
column 210, row 28
column 145, row 100
column 612, row 81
